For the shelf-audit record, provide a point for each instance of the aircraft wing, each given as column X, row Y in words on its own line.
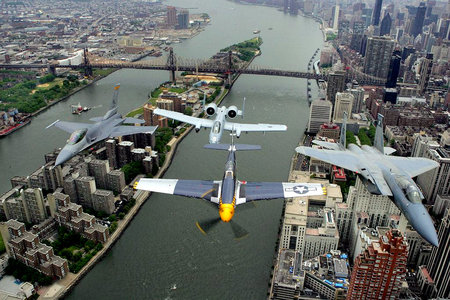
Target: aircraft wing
column 239, row 127
column 252, row 191
column 197, row 122
column 127, row 130
column 70, row 126
column 413, row 166
column 343, row 159
column 202, row 189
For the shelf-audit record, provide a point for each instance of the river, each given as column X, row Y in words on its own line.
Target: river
column 162, row 255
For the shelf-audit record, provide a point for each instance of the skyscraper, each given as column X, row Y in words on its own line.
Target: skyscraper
column 425, row 72
column 385, row 27
column 183, row 19
column 171, row 16
column 437, row 181
column 417, row 24
column 98, row 169
column 376, row 12
column 335, row 83
column 320, row 113
column 33, row 200
column 380, row 269
column 394, row 69
column 378, row 56
column 335, row 17
column 344, row 103
column 439, row 263
column 293, row 8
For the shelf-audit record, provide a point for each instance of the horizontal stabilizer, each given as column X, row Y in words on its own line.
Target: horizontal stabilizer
column 328, row 145
column 229, row 147
column 389, row 150
column 133, row 121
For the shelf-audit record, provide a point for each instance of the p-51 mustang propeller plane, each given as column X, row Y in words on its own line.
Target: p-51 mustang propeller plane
column 84, row 135
column 229, row 192
column 220, row 123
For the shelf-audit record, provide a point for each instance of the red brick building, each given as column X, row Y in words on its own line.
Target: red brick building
column 380, row 269
column 26, row 247
column 71, row 216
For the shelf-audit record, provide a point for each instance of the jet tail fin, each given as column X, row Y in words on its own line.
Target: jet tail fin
column 342, row 138
column 243, row 108
column 115, row 98
column 232, row 147
column 378, row 142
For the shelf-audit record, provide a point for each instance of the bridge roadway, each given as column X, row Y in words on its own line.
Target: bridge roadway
column 190, row 68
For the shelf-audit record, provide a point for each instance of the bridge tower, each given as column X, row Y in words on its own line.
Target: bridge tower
column 51, row 69
column 87, row 64
column 230, row 66
column 171, row 63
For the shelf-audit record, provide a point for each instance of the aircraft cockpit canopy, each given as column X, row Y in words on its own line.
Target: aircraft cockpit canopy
column 216, row 127
column 77, row 136
column 411, row 191
column 413, row 194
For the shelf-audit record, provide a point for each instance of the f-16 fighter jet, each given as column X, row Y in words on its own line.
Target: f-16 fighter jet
column 84, row 135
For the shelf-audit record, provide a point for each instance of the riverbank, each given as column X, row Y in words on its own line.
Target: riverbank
column 62, row 287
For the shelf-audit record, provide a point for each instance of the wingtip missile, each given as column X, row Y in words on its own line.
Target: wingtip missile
column 52, row 124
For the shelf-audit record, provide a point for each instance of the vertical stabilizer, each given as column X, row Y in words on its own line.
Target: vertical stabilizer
column 342, row 138
column 378, row 143
column 115, row 97
column 243, row 108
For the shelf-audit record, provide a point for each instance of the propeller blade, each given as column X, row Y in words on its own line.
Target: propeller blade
column 238, row 231
column 207, row 225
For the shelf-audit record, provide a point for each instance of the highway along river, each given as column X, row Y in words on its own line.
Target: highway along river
column 162, row 255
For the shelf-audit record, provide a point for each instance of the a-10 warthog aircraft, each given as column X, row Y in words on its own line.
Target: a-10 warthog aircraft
column 220, row 123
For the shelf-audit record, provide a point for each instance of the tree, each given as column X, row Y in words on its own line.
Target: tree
column 350, row 138
column 188, row 111
column 72, row 78
column 132, row 169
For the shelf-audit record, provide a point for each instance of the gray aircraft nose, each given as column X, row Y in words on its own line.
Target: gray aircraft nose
column 63, row 156
column 422, row 223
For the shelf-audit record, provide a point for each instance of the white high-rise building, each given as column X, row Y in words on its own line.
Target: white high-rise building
column 319, row 114
column 358, row 102
column 344, row 103
column 437, row 181
column 372, row 210
column 335, row 17
column 323, row 239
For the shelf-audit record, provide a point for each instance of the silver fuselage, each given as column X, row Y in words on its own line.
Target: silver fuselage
column 217, row 129
column 97, row 132
column 405, row 193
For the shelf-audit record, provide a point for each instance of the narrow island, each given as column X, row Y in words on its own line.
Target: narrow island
column 75, row 235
